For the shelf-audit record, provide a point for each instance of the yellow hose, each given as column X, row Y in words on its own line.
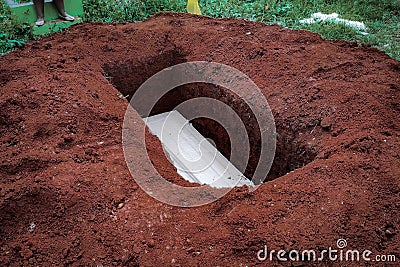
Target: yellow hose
column 193, row 7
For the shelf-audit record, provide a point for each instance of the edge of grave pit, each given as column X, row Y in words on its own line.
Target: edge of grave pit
column 25, row 13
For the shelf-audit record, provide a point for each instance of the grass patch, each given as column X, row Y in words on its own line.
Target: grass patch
column 13, row 34
column 382, row 18
column 128, row 10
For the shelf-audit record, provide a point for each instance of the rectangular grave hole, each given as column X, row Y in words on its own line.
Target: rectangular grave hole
column 127, row 77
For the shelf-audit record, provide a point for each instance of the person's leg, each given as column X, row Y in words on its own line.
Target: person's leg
column 61, row 10
column 39, row 7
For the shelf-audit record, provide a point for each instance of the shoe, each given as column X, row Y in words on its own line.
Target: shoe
column 66, row 17
column 39, row 22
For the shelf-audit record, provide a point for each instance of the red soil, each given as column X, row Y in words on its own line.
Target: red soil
column 67, row 197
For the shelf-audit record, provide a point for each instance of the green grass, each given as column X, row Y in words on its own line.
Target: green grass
column 382, row 17
column 12, row 33
column 128, row 10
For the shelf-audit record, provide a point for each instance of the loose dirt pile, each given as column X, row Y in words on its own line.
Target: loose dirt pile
column 67, row 197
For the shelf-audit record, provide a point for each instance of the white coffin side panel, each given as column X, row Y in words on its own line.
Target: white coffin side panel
column 194, row 157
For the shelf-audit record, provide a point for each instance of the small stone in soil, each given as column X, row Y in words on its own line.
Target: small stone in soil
column 326, row 123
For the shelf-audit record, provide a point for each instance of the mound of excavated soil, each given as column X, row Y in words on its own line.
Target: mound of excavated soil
column 67, row 197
